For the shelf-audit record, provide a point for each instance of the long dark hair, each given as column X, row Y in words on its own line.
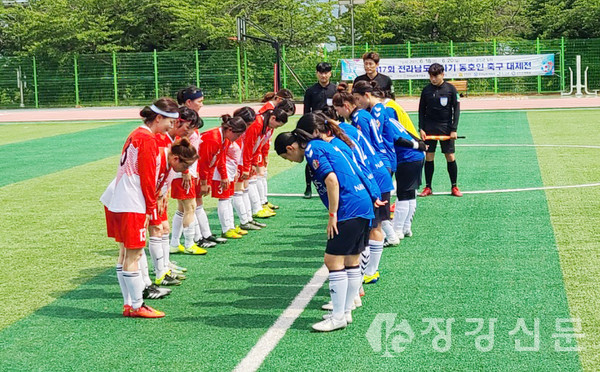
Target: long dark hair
column 279, row 114
column 282, row 93
column 246, row 113
column 311, row 122
column 343, row 95
column 236, row 124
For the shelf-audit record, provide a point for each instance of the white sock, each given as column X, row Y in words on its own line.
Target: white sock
column 197, row 230
column 338, row 287
column 156, row 252
column 135, row 286
column 176, row 229
column 230, row 216
column 354, row 281
column 188, row 236
column 388, row 230
column 248, row 205
column 365, row 256
column 166, row 250
column 143, row 269
column 400, row 215
column 240, row 206
column 263, row 181
column 123, row 286
column 254, row 197
column 203, row 221
column 222, row 213
column 412, row 207
column 260, row 185
column 376, row 248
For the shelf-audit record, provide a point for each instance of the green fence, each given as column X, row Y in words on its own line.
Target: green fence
column 246, row 73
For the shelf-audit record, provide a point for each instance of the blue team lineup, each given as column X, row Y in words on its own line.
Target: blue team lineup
column 360, row 148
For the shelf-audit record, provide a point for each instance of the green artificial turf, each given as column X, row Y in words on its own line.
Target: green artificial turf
column 575, row 213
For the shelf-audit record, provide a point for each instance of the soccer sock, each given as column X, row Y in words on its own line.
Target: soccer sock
column 265, row 188
column 365, row 256
column 261, row 190
column 254, row 197
column 188, row 236
column 240, row 206
column 203, row 221
column 428, row 173
column 338, row 287
column 452, row 172
column 400, row 215
column 124, row 291
column 197, row 230
column 135, row 286
column 376, row 248
column 412, row 207
column 307, row 177
column 156, row 252
column 176, row 229
column 166, row 251
column 248, row 205
column 388, row 229
column 354, row 282
column 230, row 217
column 222, row 213
column 143, row 269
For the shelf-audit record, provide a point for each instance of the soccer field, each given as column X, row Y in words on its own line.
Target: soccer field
column 519, row 249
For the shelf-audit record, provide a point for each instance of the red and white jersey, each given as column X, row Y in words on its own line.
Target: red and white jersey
column 194, row 141
column 164, row 142
column 233, row 158
column 212, row 153
column 267, row 106
column 134, row 187
column 253, row 142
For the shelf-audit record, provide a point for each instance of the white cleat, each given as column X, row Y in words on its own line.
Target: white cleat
column 357, row 302
column 328, row 306
column 400, row 235
column 330, row 324
column 347, row 315
column 408, row 233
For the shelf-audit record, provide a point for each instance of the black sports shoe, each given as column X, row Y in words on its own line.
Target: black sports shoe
column 203, row 243
column 308, row 192
column 216, row 239
column 168, row 280
column 259, row 224
column 155, row 292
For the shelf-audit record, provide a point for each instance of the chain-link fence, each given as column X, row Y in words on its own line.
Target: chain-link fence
column 246, row 73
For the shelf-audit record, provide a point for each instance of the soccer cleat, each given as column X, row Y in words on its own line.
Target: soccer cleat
column 408, row 233
column 307, row 192
column 456, row 192
column 399, row 234
column 155, row 292
column 231, row 234
column 174, row 249
column 173, row 266
column 126, row 310
column 266, row 207
column 391, row 243
column 241, row 231
column 330, row 324
column 347, row 315
column 357, row 302
column 249, row 226
column 371, row 279
column 167, row 279
column 426, row 192
column 178, row 275
column 393, row 208
column 146, row 311
column 203, row 243
column 259, row 224
column 195, row 250
column 216, row 239
column 327, row 306
column 263, row 213
column 272, row 206
column 361, row 291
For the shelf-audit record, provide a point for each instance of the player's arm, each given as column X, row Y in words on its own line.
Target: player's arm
column 455, row 110
column 333, row 195
column 247, row 151
column 148, row 152
column 422, row 111
column 307, row 103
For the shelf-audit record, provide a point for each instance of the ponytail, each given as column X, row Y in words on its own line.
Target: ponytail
column 183, row 149
column 279, row 114
column 311, row 122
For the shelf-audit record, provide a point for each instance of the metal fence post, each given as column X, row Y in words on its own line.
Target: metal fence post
column 197, row 68
column 409, row 54
column 284, row 67
column 76, row 80
column 35, row 84
column 495, row 78
column 239, row 71
column 539, row 78
column 155, row 73
column 562, row 64
column 115, row 81
column 246, row 72
column 451, row 48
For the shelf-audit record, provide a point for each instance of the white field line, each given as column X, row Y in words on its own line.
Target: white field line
column 271, row 338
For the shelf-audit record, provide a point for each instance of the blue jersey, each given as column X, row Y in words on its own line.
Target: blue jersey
column 369, row 128
column 324, row 158
column 404, row 154
column 358, row 157
column 372, row 159
column 391, row 113
column 379, row 113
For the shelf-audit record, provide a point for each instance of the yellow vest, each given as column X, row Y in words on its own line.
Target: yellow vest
column 403, row 117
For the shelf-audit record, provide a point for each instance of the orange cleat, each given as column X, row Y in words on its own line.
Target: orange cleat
column 146, row 311
column 126, row 310
column 456, row 192
column 426, row 192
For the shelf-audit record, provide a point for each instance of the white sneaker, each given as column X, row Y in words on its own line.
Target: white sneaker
column 357, row 301
column 395, row 242
column 328, row 306
column 408, row 233
column 400, row 235
column 347, row 315
column 330, row 324
column 173, row 249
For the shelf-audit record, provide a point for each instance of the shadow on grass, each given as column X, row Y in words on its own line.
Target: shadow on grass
column 68, row 312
